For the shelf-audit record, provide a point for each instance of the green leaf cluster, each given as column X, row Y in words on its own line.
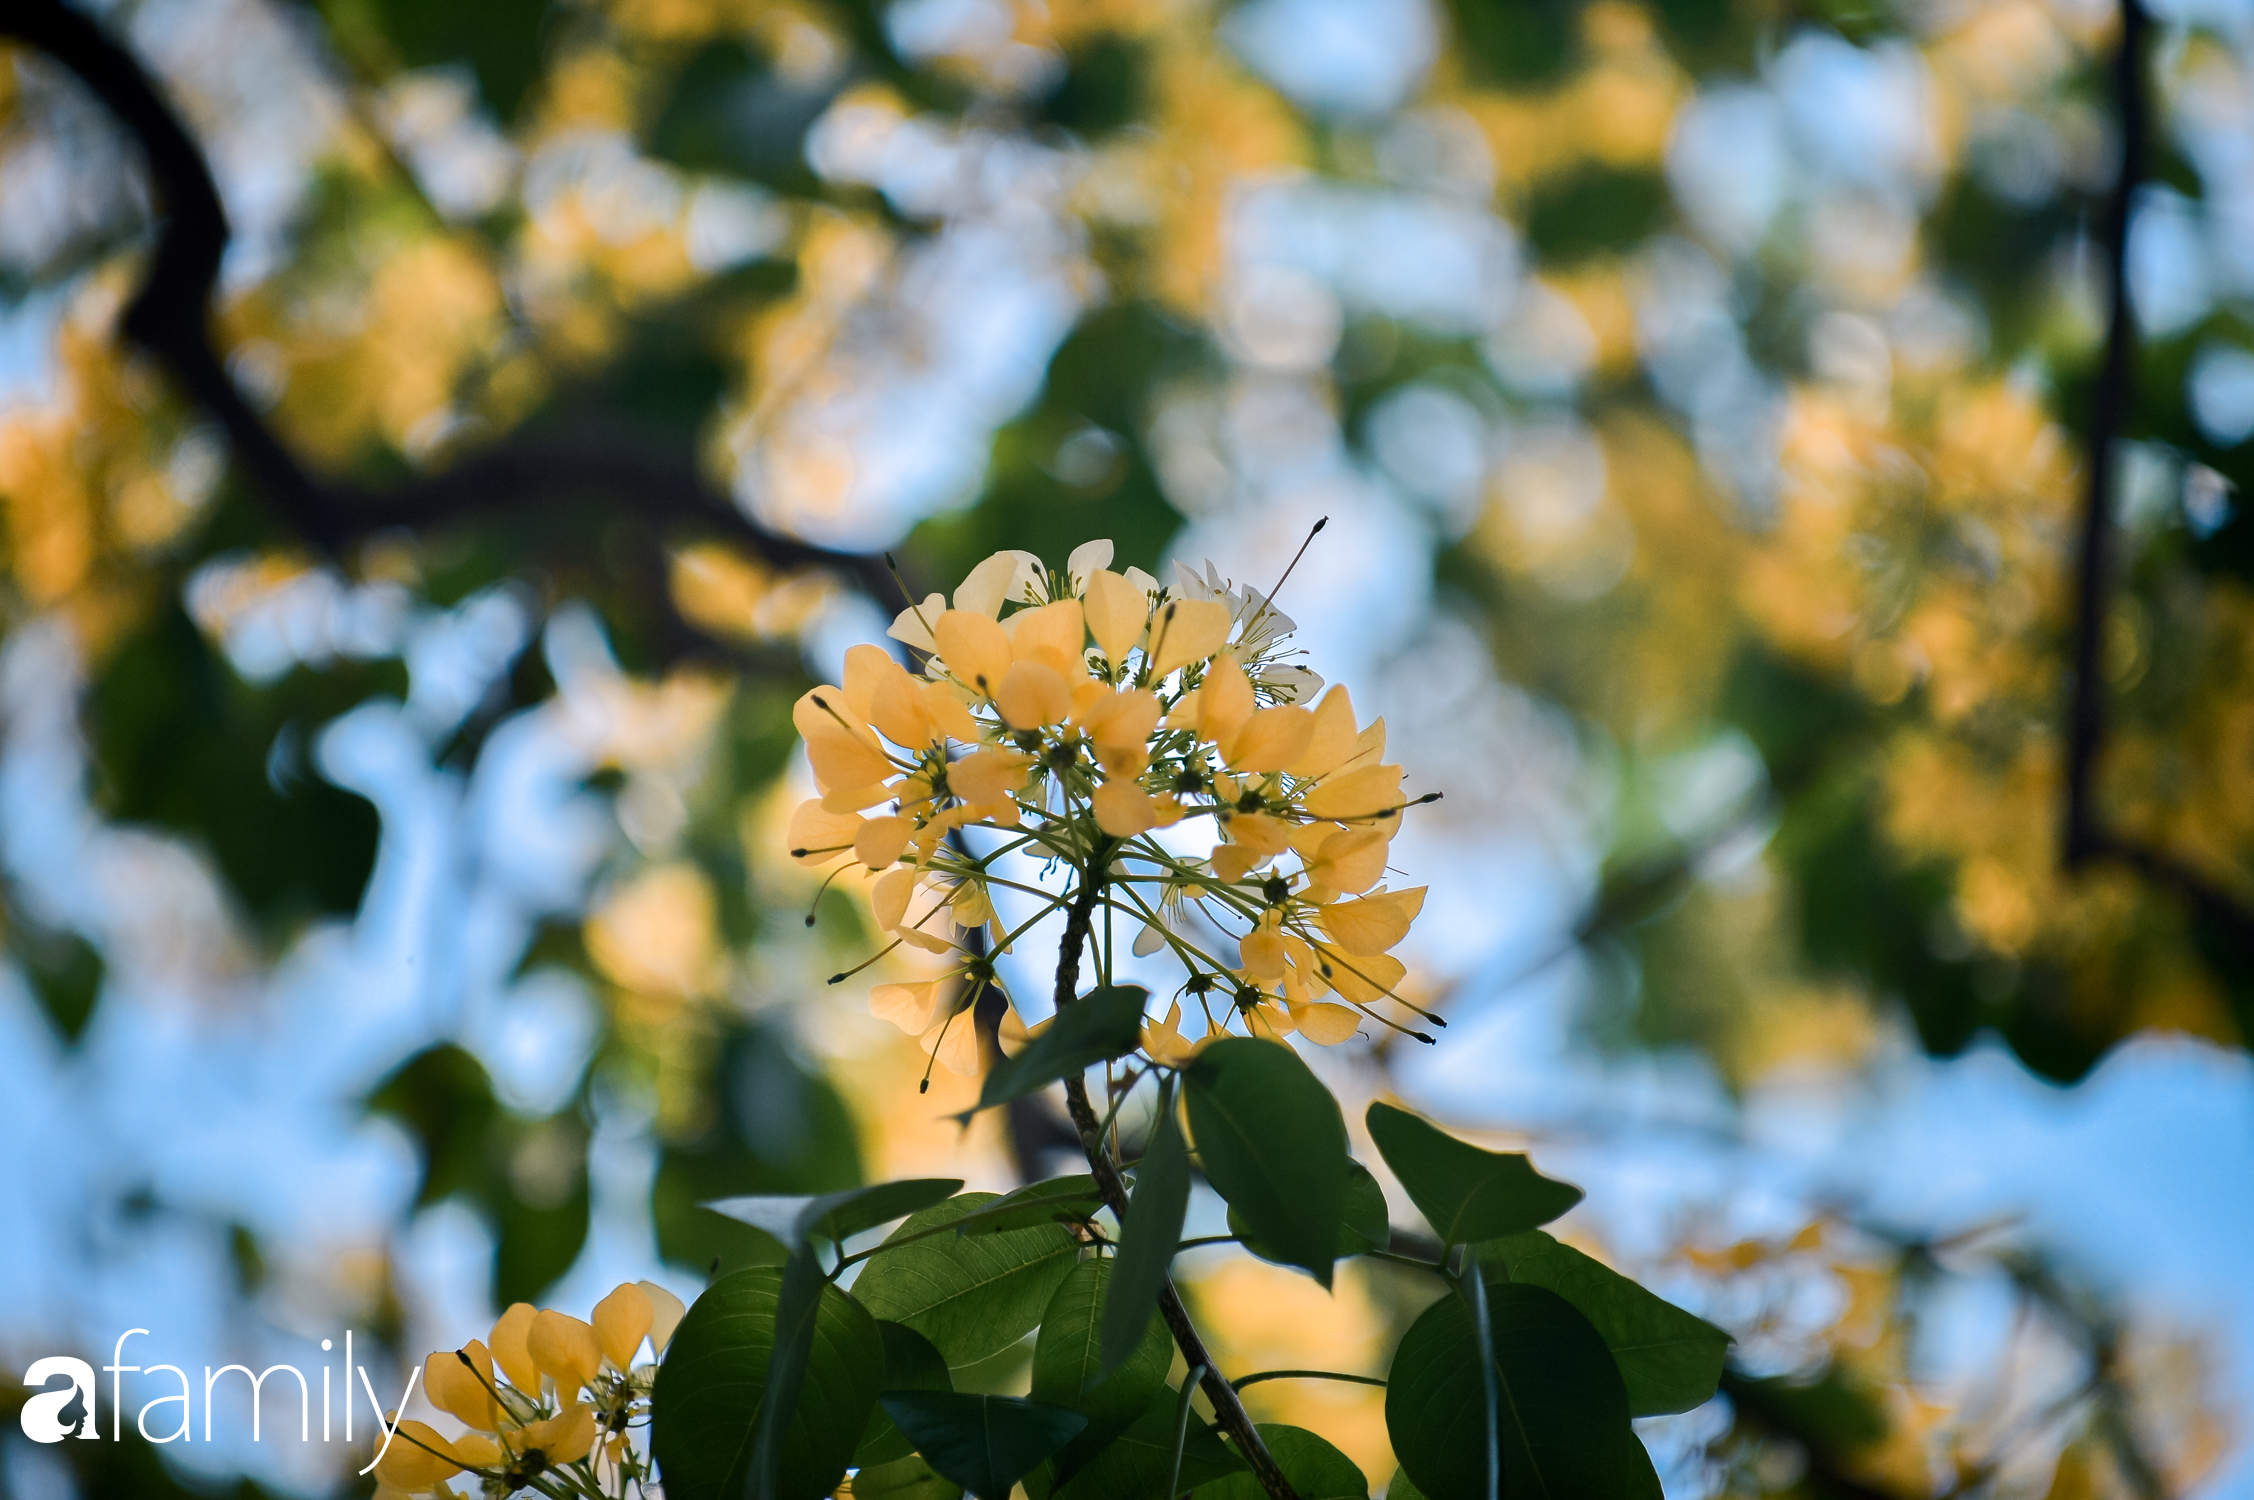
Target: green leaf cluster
column 1522, row 1377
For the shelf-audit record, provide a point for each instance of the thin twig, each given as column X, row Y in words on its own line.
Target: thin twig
column 1227, row 1409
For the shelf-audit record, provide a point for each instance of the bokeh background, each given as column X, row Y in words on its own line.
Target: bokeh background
column 1703, row 396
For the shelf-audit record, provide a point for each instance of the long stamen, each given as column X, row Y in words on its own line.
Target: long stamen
column 872, row 958
column 1295, row 557
column 923, row 1085
column 822, row 891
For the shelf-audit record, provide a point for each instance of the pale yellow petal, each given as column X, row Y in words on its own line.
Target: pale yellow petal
column 888, row 897
column 912, row 626
column 975, row 649
column 1054, row 635
column 510, row 1351
column 1033, row 694
column 460, row 1391
column 1368, row 792
column 621, row 1319
column 1271, row 739
column 817, row 835
column 1117, row 612
column 416, row 1459
column 1333, row 738
column 878, row 842
column 565, row 1349
column 1185, row 631
column 1123, row 809
column 1324, row 1024
column 666, row 1313
column 907, row 1006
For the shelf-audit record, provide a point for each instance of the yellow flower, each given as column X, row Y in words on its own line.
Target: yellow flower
column 1088, row 707
column 509, row 1347
column 565, row 1349
column 417, row 1458
column 621, row 1320
column 463, row 1393
column 564, row 1438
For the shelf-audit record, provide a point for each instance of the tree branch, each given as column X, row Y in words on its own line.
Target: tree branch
column 1226, row 1406
column 170, row 317
column 2087, row 840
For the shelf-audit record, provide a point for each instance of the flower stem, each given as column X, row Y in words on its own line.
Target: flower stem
column 1226, row 1407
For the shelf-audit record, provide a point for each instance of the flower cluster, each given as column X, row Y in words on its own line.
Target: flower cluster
column 1093, row 717
column 548, row 1401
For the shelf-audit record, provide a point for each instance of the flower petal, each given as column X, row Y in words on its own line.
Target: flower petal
column 1124, row 809
column 510, row 1351
column 1033, row 694
column 1086, row 559
column 1117, row 612
column 1187, row 630
column 565, row 1349
column 620, row 1320
column 460, row 1391
column 975, row 649
column 1004, row 578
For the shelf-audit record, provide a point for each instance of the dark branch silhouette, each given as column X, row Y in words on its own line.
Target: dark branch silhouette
column 2087, row 840
column 170, row 317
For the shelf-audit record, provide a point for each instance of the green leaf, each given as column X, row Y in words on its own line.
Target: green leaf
column 715, row 1371
column 910, row 1364
column 1274, row 1145
column 986, row 1444
column 1147, row 1238
column 907, row 1478
column 1316, row 1469
column 796, row 1308
column 1402, row 1487
column 1365, row 1225
column 971, row 1295
column 1058, row 1200
column 837, row 1216
column 1671, row 1360
column 1465, row 1193
column 1563, row 1411
column 1068, row 1369
column 1133, row 1466
column 1101, row 1025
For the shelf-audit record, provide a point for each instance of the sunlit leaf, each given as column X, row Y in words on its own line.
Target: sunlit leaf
column 1069, row 1371
column 1465, row 1193
column 1273, row 1143
column 971, row 1295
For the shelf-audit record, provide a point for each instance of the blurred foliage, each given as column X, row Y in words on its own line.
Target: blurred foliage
column 730, row 232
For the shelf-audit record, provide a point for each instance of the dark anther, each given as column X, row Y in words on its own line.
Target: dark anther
column 837, row 979
column 798, row 854
column 923, row 1085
